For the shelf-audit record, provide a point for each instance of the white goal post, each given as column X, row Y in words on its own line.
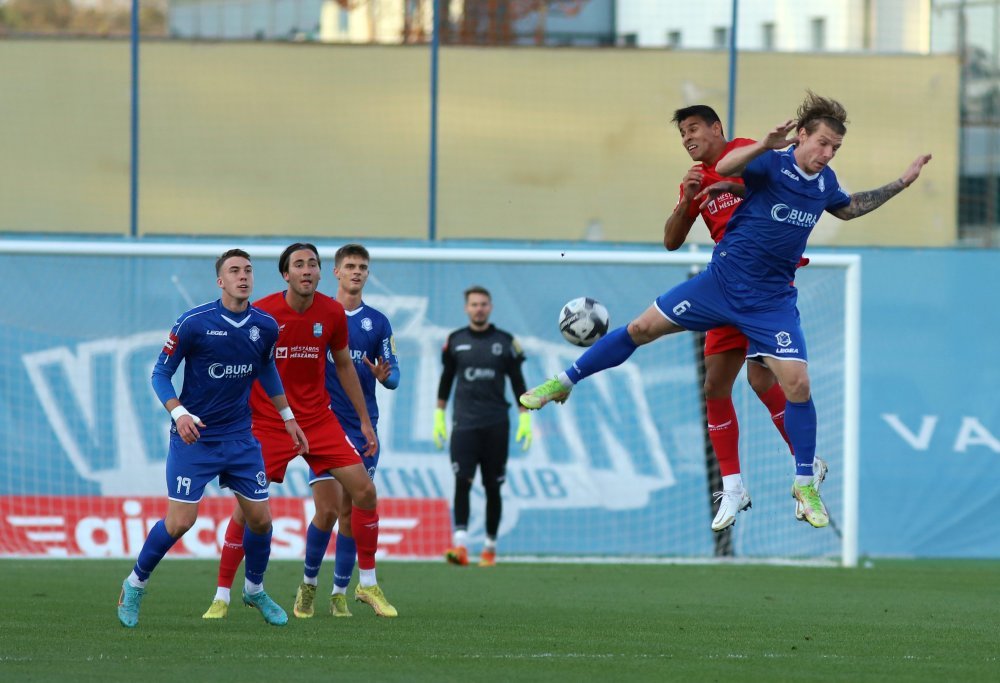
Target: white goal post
column 616, row 473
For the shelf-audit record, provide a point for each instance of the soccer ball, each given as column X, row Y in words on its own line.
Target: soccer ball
column 583, row 321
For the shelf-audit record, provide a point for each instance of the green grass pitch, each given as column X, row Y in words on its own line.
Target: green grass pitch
column 896, row 621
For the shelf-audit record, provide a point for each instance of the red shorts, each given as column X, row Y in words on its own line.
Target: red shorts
column 329, row 447
column 719, row 340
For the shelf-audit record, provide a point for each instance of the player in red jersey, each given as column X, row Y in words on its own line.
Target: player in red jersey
column 706, row 193
column 310, row 324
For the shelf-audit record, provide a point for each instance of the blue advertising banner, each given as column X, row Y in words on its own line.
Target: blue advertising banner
column 619, row 470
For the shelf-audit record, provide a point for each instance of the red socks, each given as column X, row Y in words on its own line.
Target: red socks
column 774, row 399
column 724, row 433
column 232, row 554
column 364, row 527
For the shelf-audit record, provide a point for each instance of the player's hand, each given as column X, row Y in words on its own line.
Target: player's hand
column 298, row 436
column 777, row 137
column 380, row 369
column 691, row 182
column 913, row 172
column 715, row 189
column 523, row 435
column 187, row 428
column 440, row 428
column 371, row 440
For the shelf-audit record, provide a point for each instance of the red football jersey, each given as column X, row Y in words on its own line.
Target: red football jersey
column 718, row 211
column 300, row 355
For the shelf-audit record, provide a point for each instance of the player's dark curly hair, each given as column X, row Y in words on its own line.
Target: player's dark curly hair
column 286, row 255
column 702, row 111
column 352, row 249
column 228, row 255
column 816, row 110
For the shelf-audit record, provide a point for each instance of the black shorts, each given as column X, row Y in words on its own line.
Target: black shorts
column 485, row 447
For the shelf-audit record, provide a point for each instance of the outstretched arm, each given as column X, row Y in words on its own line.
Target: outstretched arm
column 777, row 138
column 866, row 202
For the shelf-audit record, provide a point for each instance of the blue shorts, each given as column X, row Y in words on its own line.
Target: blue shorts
column 358, row 440
column 238, row 464
column 705, row 302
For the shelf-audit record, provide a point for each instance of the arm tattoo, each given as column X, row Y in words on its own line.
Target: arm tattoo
column 866, row 202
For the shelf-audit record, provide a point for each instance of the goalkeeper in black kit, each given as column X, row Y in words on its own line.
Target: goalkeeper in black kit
column 481, row 357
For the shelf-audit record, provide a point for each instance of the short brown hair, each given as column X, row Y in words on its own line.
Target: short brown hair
column 477, row 289
column 228, row 255
column 816, row 110
column 352, row 249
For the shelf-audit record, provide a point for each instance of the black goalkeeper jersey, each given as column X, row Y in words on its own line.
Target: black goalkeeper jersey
column 481, row 362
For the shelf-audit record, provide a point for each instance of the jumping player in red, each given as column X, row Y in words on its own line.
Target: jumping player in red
column 705, row 192
column 310, row 323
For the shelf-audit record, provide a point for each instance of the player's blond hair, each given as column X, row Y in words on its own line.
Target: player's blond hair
column 816, row 110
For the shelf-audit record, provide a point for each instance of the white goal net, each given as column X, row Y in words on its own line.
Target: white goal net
column 619, row 471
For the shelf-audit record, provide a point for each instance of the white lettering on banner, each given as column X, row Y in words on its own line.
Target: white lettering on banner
column 118, row 531
column 971, row 432
column 920, row 441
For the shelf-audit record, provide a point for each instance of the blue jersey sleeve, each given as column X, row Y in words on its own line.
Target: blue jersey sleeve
column 839, row 197
column 270, row 380
column 755, row 173
column 387, row 354
column 173, row 352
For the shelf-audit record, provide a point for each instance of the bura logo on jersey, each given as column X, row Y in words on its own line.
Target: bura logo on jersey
column 786, row 214
column 473, row 374
column 221, row 371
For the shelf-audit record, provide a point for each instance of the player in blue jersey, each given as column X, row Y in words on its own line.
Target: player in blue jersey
column 226, row 345
column 374, row 354
column 747, row 283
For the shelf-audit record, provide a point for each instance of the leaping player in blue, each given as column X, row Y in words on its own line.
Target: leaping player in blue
column 747, row 282
column 374, row 354
column 227, row 345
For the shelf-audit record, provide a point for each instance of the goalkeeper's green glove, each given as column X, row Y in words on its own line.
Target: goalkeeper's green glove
column 440, row 428
column 523, row 435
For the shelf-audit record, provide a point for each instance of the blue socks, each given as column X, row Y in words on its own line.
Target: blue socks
column 156, row 546
column 800, row 425
column 611, row 350
column 258, row 549
column 316, row 544
column 343, row 566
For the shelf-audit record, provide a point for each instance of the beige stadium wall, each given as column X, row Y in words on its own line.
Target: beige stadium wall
column 332, row 141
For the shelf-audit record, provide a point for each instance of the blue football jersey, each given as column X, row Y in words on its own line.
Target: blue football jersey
column 370, row 336
column 767, row 234
column 223, row 352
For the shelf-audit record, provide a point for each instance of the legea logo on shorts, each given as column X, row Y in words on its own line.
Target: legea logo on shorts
column 261, row 479
column 784, row 339
column 220, row 371
column 783, row 213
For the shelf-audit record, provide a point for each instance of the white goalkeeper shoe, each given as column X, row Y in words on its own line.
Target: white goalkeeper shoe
column 819, row 474
column 731, row 503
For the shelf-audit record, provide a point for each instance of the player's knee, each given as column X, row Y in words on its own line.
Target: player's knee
column 493, row 490
column 717, row 389
column 641, row 331
column 324, row 518
column 797, row 388
column 259, row 520
column 179, row 525
column 760, row 384
column 365, row 497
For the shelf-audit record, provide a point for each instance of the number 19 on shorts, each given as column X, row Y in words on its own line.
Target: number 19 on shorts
column 184, row 485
